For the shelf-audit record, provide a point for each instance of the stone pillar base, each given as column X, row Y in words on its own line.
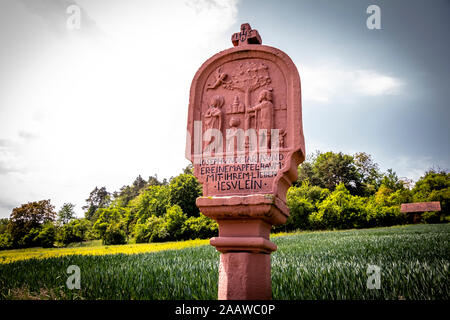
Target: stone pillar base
column 244, row 276
column 244, row 243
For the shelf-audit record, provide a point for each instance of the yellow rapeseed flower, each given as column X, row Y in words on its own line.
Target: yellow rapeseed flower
column 9, row 256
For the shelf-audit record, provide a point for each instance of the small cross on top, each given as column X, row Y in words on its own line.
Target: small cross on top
column 246, row 36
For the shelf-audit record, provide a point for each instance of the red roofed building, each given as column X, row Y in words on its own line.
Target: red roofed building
column 419, row 207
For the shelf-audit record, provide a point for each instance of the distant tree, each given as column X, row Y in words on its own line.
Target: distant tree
column 174, row 222
column 331, row 169
column 302, row 201
column 5, row 236
column 392, row 181
column 184, row 189
column 306, row 174
column 152, row 230
column 434, row 186
column 383, row 209
column 152, row 201
column 340, row 210
column 154, row 181
column 107, row 217
column 139, row 183
column 128, row 193
column 74, row 231
column 5, row 241
column 189, row 169
column 26, row 221
column 46, row 236
column 369, row 172
column 66, row 213
column 98, row 198
column 3, row 225
column 200, row 227
column 115, row 234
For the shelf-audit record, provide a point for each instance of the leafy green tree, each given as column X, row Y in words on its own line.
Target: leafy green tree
column 184, row 189
column 431, row 217
column 107, row 217
column 115, row 234
column 369, row 173
column 127, row 193
column 340, row 210
column 5, row 240
column 333, row 169
column 434, row 186
column 329, row 169
column 306, row 174
column 152, row 230
column 302, row 201
column 29, row 239
column 383, row 215
column 200, row 227
column 189, row 169
column 154, row 181
column 174, row 222
column 4, row 225
column 152, row 201
column 47, row 236
column 66, row 213
column 392, row 181
column 98, row 198
column 383, row 209
column 306, row 171
column 299, row 209
column 26, row 221
column 74, row 231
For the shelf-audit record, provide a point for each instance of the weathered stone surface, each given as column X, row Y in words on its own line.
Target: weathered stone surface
column 244, row 276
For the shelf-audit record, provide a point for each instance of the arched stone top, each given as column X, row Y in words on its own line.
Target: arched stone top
column 249, row 86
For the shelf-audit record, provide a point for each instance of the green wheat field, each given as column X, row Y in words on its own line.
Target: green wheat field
column 414, row 263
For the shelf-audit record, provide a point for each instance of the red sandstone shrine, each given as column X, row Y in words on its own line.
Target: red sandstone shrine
column 245, row 139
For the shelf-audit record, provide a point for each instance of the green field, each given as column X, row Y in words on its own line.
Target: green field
column 414, row 262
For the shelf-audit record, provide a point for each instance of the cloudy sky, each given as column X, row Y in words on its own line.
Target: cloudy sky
column 98, row 105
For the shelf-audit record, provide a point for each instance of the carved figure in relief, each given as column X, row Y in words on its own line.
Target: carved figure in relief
column 213, row 116
column 221, row 76
column 246, row 78
column 263, row 113
column 234, row 122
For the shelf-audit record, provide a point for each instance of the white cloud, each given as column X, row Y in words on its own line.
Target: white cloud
column 413, row 168
column 327, row 82
column 374, row 84
column 10, row 160
column 104, row 108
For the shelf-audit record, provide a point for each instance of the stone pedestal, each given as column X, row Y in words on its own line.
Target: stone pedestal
column 244, row 242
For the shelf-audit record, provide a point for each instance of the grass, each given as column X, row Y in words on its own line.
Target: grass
column 414, row 262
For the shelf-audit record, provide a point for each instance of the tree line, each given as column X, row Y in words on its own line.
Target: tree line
column 333, row 191
column 341, row 191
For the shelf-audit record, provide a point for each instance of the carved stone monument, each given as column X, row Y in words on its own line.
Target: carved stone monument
column 245, row 139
